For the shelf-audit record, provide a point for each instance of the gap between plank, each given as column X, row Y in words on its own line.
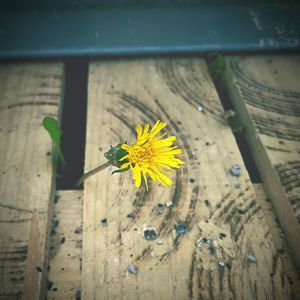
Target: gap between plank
column 240, row 138
column 73, row 123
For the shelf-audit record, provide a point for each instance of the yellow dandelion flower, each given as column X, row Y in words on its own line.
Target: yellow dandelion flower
column 151, row 155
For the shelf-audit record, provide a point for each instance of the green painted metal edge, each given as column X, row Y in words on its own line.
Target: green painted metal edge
column 129, row 30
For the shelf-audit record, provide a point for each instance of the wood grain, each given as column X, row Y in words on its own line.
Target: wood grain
column 64, row 276
column 282, row 249
column 28, row 92
column 34, row 274
column 266, row 93
column 236, row 259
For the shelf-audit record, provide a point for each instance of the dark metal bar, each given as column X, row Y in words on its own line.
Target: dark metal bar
column 123, row 30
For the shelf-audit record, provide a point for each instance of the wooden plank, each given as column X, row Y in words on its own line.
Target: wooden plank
column 64, row 276
column 236, row 258
column 28, row 92
column 282, row 249
column 34, row 273
column 266, row 92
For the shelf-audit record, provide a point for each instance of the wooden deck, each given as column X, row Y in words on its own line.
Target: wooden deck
column 242, row 238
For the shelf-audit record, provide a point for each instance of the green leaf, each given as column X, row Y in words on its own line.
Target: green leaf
column 217, row 65
column 52, row 126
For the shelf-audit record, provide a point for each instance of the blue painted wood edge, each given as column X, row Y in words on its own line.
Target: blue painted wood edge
column 146, row 30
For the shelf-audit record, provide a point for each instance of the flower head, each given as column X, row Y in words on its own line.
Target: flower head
column 151, row 155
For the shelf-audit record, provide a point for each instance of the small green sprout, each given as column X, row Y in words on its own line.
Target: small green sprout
column 217, row 66
column 55, row 132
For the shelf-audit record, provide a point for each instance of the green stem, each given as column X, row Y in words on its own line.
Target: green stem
column 92, row 172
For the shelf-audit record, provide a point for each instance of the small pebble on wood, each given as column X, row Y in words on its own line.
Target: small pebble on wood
column 132, row 269
column 104, row 222
column 202, row 241
column 221, row 264
column 206, row 240
column 150, row 233
column 199, row 243
column 160, row 208
column 180, row 228
column 235, row 170
column 251, row 258
column 222, row 236
column 169, row 204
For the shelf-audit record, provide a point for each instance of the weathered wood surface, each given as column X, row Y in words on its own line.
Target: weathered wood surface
column 266, row 94
column 282, row 250
column 28, row 92
column 64, row 276
column 34, row 275
column 241, row 264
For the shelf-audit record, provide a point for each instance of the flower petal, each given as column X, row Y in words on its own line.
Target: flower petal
column 125, row 165
column 164, row 180
column 139, row 131
column 157, row 128
column 145, row 179
column 146, row 129
column 137, row 175
column 124, row 157
column 163, row 143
